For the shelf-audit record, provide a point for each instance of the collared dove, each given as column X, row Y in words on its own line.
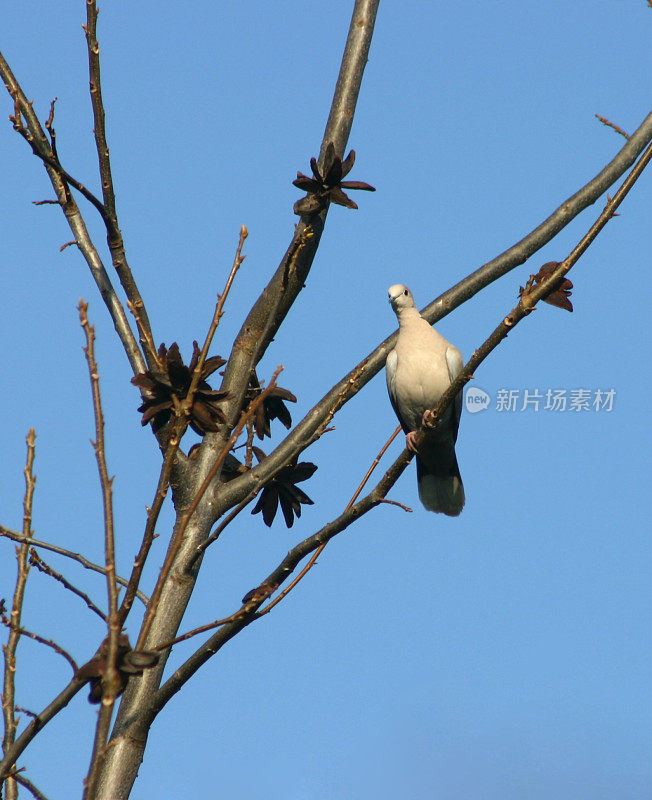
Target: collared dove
column 419, row 370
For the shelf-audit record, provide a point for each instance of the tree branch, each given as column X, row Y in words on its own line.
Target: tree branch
column 111, row 683
column 9, row 683
column 41, row 146
column 110, row 217
column 36, row 561
column 37, row 724
column 23, row 781
column 17, row 537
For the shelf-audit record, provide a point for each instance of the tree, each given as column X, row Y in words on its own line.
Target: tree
column 208, row 486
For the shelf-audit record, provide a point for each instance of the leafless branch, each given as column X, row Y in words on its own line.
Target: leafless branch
column 36, row 561
column 217, row 316
column 73, row 217
column 17, row 537
column 23, row 781
column 111, row 683
column 110, row 217
column 606, row 122
column 9, row 683
column 150, row 528
column 37, row 724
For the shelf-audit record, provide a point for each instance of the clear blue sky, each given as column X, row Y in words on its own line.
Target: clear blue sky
column 502, row 655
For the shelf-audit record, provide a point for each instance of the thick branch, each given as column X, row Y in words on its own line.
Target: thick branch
column 263, row 321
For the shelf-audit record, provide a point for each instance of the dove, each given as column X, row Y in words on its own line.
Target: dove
column 419, row 370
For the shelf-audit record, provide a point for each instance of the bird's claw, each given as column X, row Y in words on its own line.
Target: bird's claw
column 409, row 441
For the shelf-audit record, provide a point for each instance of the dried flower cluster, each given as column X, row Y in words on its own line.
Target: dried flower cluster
column 129, row 662
column 326, row 186
column 173, row 381
column 560, row 296
column 283, row 489
column 272, row 407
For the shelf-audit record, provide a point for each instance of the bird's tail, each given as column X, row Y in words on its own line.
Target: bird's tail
column 440, row 483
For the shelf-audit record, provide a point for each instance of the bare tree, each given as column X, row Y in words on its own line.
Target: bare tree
column 210, row 484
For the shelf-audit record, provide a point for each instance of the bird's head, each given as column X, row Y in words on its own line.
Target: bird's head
column 400, row 297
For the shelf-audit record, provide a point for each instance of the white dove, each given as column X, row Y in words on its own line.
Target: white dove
column 419, row 370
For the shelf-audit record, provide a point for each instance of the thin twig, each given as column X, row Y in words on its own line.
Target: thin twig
column 111, row 678
column 396, row 503
column 609, row 124
column 54, row 548
column 9, row 683
column 38, row 723
column 150, row 528
column 321, row 547
column 195, row 631
column 217, row 316
column 21, row 710
column 20, row 631
column 114, row 235
column 36, row 561
column 29, row 786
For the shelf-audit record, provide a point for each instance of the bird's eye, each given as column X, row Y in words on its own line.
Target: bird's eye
column 405, row 292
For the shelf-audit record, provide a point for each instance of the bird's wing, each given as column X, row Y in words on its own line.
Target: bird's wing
column 455, row 364
column 390, row 375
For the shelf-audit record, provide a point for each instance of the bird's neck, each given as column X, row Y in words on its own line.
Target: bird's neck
column 407, row 316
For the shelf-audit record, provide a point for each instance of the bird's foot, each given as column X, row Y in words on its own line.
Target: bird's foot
column 409, row 441
column 426, row 420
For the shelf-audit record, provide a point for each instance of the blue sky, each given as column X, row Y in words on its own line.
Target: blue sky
column 504, row 654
